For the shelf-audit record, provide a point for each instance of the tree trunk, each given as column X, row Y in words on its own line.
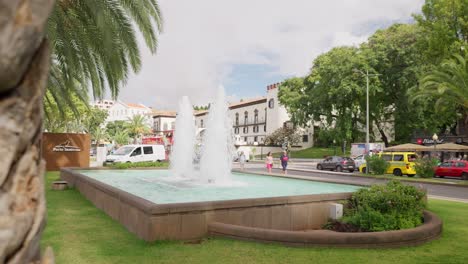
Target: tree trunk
column 24, row 69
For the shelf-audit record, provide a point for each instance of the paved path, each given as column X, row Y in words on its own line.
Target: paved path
column 454, row 193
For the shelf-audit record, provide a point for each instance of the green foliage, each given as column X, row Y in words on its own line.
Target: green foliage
column 201, row 107
column 386, row 207
column 136, row 126
column 144, row 164
column 94, row 42
column 425, row 167
column 376, row 164
column 279, row 136
column 445, row 29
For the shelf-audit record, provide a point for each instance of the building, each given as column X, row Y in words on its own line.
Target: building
column 163, row 121
column 120, row 111
column 254, row 119
column 103, row 104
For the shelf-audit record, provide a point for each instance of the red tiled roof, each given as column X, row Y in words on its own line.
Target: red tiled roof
column 164, row 113
column 135, row 105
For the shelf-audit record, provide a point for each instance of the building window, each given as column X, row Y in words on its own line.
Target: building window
column 305, row 138
column 165, row 127
column 245, row 139
column 201, row 123
column 264, row 128
column 156, row 125
column 246, row 130
column 246, row 117
column 255, row 129
column 271, row 103
column 236, row 130
column 255, row 139
column 256, row 116
column 237, row 119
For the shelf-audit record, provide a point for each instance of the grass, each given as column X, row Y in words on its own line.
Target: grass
column 142, row 164
column 80, row 233
column 414, row 179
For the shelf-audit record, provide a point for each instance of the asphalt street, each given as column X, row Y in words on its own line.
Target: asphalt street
column 308, row 170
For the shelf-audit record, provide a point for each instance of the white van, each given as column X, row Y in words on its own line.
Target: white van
column 137, row 153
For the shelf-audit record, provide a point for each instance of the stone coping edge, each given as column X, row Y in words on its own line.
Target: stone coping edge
column 430, row 230
column 72, row 177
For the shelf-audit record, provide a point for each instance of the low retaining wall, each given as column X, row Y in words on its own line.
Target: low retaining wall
column 431, row 229
column 189, row 221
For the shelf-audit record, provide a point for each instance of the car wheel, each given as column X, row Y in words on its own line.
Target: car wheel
column 319, row 167
column 464, row 176
column 339, row 169
column 351, row 171
column 364, row 170
column 397, row 172
column 410, row 175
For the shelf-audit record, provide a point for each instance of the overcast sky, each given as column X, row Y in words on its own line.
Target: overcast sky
column 246, row 45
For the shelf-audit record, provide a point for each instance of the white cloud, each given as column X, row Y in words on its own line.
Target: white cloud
column 203, row 39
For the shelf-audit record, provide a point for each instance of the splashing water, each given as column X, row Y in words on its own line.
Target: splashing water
column 184, row 139
column 217, row 149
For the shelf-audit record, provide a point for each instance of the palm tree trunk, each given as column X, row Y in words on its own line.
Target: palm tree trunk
column 24, row 69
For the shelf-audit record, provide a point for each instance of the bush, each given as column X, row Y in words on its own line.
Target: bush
column 144, row 164
column 386, row 207
column 425, row 167
column 376, row 164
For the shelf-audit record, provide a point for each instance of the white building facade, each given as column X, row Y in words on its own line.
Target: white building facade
column 121, row 111
column 254, row 119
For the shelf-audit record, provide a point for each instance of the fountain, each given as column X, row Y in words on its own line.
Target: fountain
column 217, row 149
column 184, row 139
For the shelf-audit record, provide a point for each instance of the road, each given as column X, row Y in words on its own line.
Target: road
column 455, row 193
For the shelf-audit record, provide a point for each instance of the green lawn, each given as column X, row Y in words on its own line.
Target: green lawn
column 80, row 233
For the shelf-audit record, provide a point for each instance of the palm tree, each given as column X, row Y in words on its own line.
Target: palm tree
column 91, row 41
column 448, row 84
column 121, row 137
column 94, row 42
column 136, row 127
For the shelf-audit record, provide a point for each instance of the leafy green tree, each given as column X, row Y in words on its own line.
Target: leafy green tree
column 136, row 126
column 284, row 135
column 94, row 119
column 115, row 127
column 445, row 28
column 121, row 137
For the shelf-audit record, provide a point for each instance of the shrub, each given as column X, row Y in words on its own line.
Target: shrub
column 144, row 164
column 386, row 207
column 425, row 167
column 376, row 164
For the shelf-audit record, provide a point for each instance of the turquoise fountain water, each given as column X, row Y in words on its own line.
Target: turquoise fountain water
column 160, row 187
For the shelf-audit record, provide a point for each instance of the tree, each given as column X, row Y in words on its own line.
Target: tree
column 448, row 87
column 136, row 127
column 90, row 41
column 115, row 127
column 445, row 28
column 283, row 135
column 121, row 137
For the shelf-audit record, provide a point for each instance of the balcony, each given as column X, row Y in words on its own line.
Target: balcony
column 250, row 122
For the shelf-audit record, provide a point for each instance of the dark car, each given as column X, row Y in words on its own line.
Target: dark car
column 457, row 168
column 337, row 163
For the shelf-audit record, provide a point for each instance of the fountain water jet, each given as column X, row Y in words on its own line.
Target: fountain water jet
column 184, row 139
column 217, row 149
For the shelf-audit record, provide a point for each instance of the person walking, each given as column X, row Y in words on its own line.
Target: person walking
column 284, row 161
column 269, row 162
column 242, row 160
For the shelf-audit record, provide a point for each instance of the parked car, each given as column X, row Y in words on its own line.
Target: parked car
column 457, row 168
column 337, row 163
column 137, row 153
column 401, row 163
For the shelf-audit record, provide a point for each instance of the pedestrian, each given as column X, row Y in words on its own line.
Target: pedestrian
column 242, row 160
column 284, row 161
column 269, row 162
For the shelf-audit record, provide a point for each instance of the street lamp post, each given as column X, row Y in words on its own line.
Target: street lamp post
column 434, row 139
column 367, row 109
column 334, row 145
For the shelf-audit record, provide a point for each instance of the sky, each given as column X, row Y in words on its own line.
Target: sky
column 245, row 45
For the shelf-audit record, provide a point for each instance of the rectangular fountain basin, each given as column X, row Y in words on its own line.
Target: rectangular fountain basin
column 155, row 207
